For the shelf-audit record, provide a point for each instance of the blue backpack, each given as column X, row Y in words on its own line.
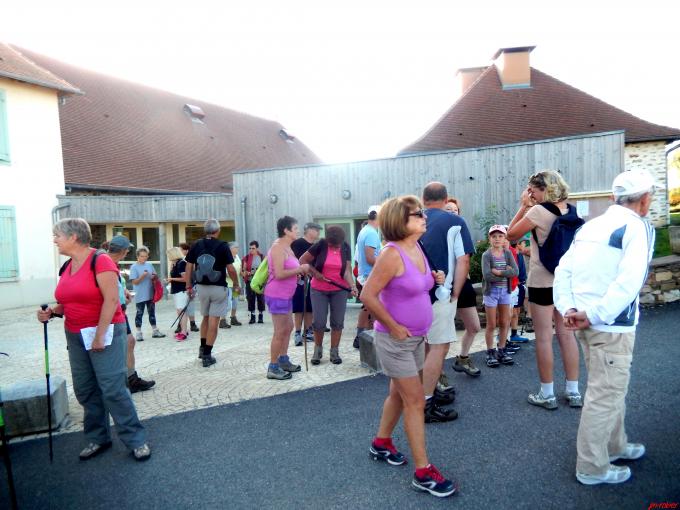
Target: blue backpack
column 560, row 237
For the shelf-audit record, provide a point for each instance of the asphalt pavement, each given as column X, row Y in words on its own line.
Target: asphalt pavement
column 309, row 449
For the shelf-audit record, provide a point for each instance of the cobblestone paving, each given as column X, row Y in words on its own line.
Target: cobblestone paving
column 182, row 384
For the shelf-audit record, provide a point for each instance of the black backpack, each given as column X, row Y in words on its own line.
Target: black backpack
column 560, row 237
column 93, row 261
column 205, row 266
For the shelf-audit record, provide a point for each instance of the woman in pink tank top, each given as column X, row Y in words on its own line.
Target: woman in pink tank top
column 284, row 270
column 397, row 295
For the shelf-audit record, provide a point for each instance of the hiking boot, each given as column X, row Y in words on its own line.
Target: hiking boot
column 633, row 451
column 136, row 383
column 538, row 399
column 465, row 365
column 278, row 373
column 335, row 356
column 298, row 339
column 157, row 334
column 432, row 481
column 615, row 474
column 318, row 354
column 309, row 334
column 142, row 453
column 491, row 360
column 208, row 359
column 139, row 336
column 356, row 343
column 289, row 367
column 436, row 414
column 519, row 339
column 252, row 319
column 93, row 449
column 194, row 327
column 574, row 399
column 503, row 357
column 260, row 319
column 224, row 324
column 443, row 398
column 512, row 347
column 445, row 389
column 235, row 322
column 387, row 453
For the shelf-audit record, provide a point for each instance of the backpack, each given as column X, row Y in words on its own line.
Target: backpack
column 205, row 268
column 560, row 237
column 260, row 278
column 93, row 262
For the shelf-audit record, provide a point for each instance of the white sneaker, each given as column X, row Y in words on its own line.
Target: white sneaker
column 615, row 474
column 633, row 451
column 139, row 336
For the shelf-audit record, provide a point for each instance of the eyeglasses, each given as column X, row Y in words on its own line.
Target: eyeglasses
column 419, row 214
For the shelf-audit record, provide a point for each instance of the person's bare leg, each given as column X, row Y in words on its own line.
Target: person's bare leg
column 318, row 337
column 363, row 321
column 503, row 324
column 336, row 334
column 470, row 320
column 490, row 325
column 131, row 353
column 568, row 348
column 309, row 318
column 514, row 320
column 298, row 321
column 282, row 328
column 413, row 401
column 542, row 317
column 392, row 409
column 212, row 324
column 204, row 327
column 286, row 330
column 432, row 369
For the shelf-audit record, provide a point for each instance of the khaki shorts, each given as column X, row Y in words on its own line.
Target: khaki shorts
column 214, row 300
column 400, row 358
column 443, row 329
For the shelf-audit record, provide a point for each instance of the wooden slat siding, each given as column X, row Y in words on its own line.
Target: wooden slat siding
column 499, row 174
column 148, row 209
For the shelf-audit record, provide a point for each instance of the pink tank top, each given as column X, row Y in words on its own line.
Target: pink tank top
column 281, row 289
column 407, row 297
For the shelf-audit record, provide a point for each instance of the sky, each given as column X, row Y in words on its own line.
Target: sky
column 358, row 80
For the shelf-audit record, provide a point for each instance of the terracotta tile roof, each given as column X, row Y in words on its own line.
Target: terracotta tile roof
column 488, row 115
column 16, row 66
column 133, row 137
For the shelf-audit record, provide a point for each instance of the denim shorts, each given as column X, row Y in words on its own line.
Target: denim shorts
column 279, row 306
column 497, row 296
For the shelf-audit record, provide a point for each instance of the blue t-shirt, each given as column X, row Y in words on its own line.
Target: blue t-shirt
column 442, row 226
column 368, row 237
column 144, row 289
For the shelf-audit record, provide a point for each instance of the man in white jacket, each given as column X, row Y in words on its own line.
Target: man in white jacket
column 596, row 289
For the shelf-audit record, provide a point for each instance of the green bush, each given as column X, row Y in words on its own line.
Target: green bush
column 476, row 261
column 662, row 245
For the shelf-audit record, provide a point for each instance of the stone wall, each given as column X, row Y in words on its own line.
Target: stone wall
column 651, row 156
column 663, row 282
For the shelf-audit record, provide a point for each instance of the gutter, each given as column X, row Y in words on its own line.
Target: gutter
column 55, row 211
column 244, row 229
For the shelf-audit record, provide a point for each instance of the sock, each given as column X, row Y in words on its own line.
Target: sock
column 297, row 331
column 130, row 371
column 547, row 389
column 274, row 366
column 193, row 323
column 572, row 386
column 382, row 442
column 284, row 359
column 207, row 350
column 460, row 356
column 360, row 330
column 513, row 332
column 423, row 471
column 139, row 330
column 203, row 342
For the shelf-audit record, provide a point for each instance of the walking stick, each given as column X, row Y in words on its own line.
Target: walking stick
column 182, row 312
column 304, row 312
column 5, row 454
column 49, row 393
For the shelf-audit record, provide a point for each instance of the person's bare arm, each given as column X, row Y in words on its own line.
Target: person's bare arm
column 278, row 256
column 460, row 275
column 369, row 253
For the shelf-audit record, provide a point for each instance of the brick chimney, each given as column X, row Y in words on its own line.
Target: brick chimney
column 513, row 67
column 466, row 76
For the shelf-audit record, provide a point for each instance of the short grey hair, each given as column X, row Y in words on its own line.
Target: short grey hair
column 143, row 248
column 233, row 244
column 212, row 226
column 632, row 198
column 74, row 226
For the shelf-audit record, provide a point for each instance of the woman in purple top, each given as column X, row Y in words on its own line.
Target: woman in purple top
column 397, row 295
column 284, row 270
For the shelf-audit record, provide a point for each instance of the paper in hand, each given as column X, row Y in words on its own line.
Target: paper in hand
column 88, row 336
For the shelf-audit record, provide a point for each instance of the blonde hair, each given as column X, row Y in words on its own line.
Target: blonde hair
column 175, row 253
column 394, row 214
column 551, row 182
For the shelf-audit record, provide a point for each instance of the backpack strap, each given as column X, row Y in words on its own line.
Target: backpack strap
column 64, row 266
column 552, row 208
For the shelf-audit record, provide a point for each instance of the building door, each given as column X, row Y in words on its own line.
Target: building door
column 345, row 224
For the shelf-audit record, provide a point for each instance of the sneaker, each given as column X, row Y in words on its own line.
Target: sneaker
column 194, row 327
column 309, row 334
column 278, row 373
column 260, row 319
column 436, row 414
column 252, row 319
column 387, row 453
column 538, row 399
column 519, row 339
column 224, row 324
column 157, row 334
column 615, row 474
column 335, row 356
column 529, row 325
column 235, row 322
column 491, row 360
column 574, row 399
column 512, row 347
column 465, row 365
column 136, row 383
column 503, row 356
column 433, row 482
column 318, row 354
column 443, row 398
column 288, row 366
column 142, row 453
column 208, row 360
column 633, row 451
column 139, row 336
column 94, row 449
column 180, row 337
column 298, row 339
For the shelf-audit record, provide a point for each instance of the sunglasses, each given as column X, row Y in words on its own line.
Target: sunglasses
column 419, row 214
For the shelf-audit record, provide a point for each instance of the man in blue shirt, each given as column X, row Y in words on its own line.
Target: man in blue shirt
column 448, row 245
column 366, row 251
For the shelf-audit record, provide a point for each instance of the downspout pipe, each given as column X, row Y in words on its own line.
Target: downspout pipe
column 55, row 211
column 244, row 228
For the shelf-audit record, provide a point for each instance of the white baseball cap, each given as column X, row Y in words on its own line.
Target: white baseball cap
column 632, row 182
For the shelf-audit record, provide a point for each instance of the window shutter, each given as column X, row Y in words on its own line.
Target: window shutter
column 9, row 262
column 4, row 131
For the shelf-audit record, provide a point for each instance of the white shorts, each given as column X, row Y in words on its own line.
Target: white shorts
column 180, row 299
column 514, row 297
column 443, row 329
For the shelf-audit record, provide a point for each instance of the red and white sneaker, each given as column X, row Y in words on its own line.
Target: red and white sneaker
column 429, row 479
column 180, row 337
column 385, row 450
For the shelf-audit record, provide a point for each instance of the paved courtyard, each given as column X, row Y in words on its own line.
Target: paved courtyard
column 182, row 384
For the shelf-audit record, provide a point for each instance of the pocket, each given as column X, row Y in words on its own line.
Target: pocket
column 614, row 360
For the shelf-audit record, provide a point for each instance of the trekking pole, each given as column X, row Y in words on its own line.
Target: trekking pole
column 304, row 312
column 49, row 393
column 181, row 313
column 5, row 454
